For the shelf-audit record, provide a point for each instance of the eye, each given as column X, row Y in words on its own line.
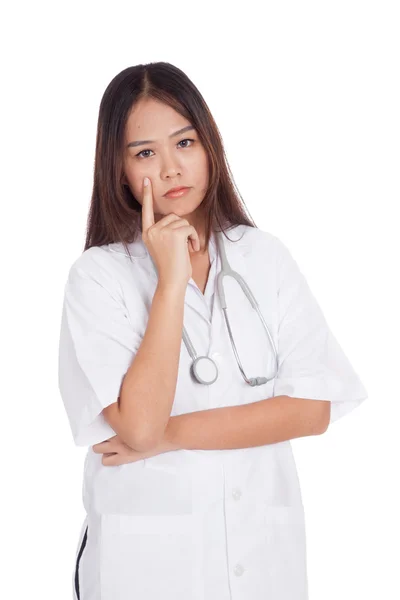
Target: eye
column 139, row 155
column 186, row 140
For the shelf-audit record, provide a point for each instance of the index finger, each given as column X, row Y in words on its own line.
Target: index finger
column 147, row 206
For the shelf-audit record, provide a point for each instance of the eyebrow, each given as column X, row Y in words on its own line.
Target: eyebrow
column 141, row 142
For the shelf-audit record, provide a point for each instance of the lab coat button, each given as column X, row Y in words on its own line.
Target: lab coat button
column 236, row 494
column 238, row 570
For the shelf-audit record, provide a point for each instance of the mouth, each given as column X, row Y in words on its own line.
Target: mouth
column 177, row 192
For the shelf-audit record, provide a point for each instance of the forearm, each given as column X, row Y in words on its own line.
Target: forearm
column 265, row 422
column 148, row 388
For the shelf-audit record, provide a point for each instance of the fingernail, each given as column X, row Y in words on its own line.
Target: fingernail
column 146, row 181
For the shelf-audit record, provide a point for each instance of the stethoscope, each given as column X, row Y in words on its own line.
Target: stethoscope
column 203, row 368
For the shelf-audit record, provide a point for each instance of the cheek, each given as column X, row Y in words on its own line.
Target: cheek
column 199, row 166
column 135, row 178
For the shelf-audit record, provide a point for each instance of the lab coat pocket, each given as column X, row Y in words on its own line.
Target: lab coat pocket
column 286, row 568
column 150, row 556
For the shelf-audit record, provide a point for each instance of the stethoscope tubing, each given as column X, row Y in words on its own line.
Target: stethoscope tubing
column 225, row 271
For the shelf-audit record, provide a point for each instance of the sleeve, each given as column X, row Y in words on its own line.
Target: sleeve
column 311, row 362
column 96, row 347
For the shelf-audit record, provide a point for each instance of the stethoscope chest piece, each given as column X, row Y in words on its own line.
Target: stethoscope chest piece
column 204, row 370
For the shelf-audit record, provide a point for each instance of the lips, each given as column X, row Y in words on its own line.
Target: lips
column 175, row 190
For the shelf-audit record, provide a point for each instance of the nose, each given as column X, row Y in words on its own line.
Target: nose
column 170, row 173
column 170, row 167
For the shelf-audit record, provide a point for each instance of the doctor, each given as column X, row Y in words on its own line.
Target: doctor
column 191, row 490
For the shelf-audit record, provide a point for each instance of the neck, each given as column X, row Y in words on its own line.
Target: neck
column 197, row 220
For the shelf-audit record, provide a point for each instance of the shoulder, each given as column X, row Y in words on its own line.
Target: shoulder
column 100, row 265
column 92, row 263
column 257, row 239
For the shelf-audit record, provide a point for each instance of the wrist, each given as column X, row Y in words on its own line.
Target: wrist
column 172, row 289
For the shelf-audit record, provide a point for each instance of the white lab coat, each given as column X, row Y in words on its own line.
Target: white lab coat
column 196, row 524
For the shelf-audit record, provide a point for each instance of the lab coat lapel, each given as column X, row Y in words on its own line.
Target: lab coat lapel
column 194, row 298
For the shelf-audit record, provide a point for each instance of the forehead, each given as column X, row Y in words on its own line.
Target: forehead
column 152, row 119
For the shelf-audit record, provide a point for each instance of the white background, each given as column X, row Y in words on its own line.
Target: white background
column 306, row 96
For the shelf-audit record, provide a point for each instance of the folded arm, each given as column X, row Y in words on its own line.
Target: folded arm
column 265, row 422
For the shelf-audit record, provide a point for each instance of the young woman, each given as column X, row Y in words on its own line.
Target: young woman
column 187, row 405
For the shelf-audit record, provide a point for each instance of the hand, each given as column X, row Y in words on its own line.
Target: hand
column 116, row 452
column 168, row 241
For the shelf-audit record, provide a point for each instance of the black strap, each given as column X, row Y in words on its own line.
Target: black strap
column 77, row 564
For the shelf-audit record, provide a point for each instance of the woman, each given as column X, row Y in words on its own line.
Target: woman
column 190, row 489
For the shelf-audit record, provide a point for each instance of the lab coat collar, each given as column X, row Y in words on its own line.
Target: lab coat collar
column 235, row 252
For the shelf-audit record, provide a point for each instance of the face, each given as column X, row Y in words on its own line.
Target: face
column 168, row 160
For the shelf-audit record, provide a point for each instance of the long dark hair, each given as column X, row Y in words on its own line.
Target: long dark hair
column 115, row 214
